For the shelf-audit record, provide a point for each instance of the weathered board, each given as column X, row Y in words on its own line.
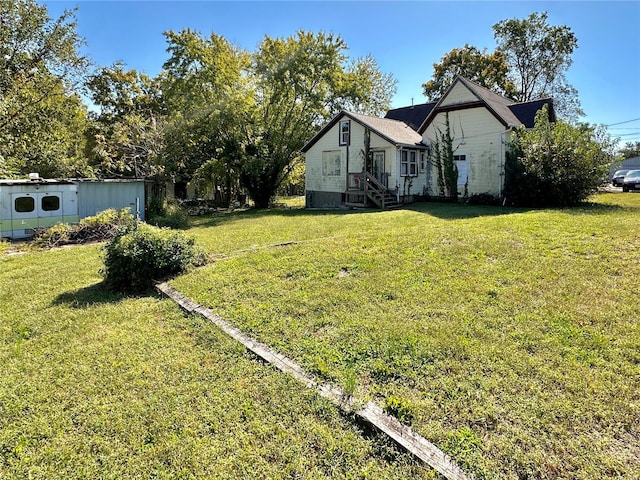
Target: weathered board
column 371, row 413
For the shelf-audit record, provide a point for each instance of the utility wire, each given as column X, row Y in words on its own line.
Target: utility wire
column 620, row 123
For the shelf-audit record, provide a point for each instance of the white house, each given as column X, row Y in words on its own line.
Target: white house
column 399, row 167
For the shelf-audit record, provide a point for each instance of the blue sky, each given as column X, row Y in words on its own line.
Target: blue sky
column 406, row 38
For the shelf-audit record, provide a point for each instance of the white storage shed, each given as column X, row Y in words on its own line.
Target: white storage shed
column 26, row 205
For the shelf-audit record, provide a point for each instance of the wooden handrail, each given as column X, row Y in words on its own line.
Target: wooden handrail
column 371, row 181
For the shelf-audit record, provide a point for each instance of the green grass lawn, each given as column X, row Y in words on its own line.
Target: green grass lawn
column 98, row 385
column 508, row 337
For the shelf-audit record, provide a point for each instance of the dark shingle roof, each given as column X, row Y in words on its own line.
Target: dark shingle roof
column 413, row 115
column 526, row 112
column 506, row 111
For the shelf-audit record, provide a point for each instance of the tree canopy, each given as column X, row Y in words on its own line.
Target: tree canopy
column 487, row 70
column 538, row 55
column 529, row 63
column 41, row 70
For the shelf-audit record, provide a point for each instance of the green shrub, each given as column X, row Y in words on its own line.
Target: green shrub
column 482, row 199
column 162, row 213
column 555, row 164
column 138, row 256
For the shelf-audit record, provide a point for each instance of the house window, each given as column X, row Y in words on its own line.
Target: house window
column 459, row 158
column 24, row 204
column 50, row 204
column 331, row 163
column 423, row 162
column 345, row 132
column 408, row 163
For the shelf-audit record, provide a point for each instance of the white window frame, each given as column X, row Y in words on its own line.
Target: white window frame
column 408, row 163
column 344, row 133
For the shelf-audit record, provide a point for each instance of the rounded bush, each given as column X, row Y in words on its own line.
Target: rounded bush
column 139, row 256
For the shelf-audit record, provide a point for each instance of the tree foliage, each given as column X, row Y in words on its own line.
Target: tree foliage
column 538, row 55
column 208, row 96
column 530, row 62
column 556, row 164
column 41, row 115
column 127, row 137
column 630, row 150
column 240, row 119
column 487, row 70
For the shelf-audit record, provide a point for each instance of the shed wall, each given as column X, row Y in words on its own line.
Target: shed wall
column 94, row 197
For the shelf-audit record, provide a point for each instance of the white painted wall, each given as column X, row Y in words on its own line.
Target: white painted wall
column 482, row 135
column 316, row 181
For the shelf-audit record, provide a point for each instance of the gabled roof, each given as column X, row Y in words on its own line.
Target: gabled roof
column 505, row 110
column 394, row 131
column 413, row 115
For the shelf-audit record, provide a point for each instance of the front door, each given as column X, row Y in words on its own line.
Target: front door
column 378, row 167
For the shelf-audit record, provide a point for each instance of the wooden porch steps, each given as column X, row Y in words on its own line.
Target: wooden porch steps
column 364, row 188
column 384, row 200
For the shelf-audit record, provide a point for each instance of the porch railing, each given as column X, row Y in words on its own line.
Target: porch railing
column 364, row 181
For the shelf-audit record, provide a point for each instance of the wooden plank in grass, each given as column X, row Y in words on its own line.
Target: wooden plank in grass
column 371, row 413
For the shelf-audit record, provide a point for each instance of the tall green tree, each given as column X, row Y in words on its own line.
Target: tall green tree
column 209, row 98
column 487, row 70
column 41, row 71
column 539, row 55
column 301, row 82
column 127, row 137
column 530, row 62
column 630, row 150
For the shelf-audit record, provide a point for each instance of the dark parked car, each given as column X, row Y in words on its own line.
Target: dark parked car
column 631, row 181
column 618, row 177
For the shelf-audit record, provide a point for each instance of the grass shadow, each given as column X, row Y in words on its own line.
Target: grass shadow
column 219, row 219
column 592, row 208
column 452, row 211
column 459, row 211
column 442, row 210
column 95, row 294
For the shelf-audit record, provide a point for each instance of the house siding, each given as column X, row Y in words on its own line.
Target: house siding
column 459, row 94
column 323, row 191
column 483, row 145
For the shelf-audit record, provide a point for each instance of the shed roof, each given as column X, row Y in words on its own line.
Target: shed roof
column 394, row 131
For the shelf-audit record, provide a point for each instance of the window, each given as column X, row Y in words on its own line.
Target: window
column 51, row 203
column 345, row 132
column 408, row 163
column 459, row 158
column 331, row 163
column 24, row 204
column 423, row 162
